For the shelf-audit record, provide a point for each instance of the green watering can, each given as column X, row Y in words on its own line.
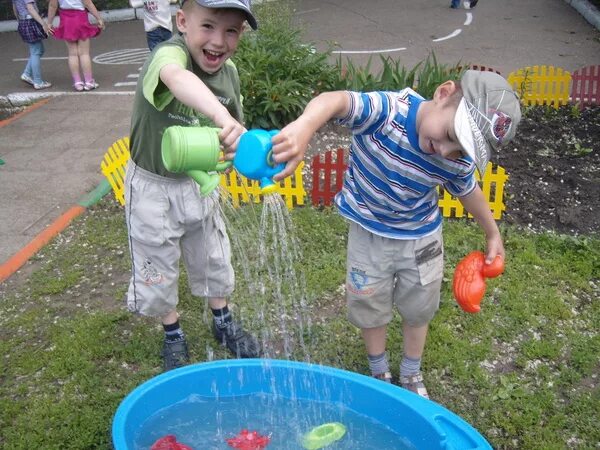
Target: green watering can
column 194, row 151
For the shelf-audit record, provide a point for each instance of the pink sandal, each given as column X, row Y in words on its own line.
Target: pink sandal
column 90, row 85
column 78, row 86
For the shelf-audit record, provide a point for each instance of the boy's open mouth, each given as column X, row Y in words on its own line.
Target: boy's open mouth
column 212, row 56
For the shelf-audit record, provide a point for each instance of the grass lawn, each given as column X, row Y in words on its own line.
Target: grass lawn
column 524, row 371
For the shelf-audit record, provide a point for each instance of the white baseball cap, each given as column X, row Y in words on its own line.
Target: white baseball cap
column 487, row 115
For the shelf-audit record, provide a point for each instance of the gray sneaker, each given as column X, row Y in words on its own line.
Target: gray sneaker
column 27, row 79
column 239, row 342
column 42, row 85
column 175, row 354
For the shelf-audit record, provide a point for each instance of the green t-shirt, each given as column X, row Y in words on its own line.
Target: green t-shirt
column 155, row 108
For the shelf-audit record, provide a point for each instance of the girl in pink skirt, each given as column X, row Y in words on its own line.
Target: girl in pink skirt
column 76, row 30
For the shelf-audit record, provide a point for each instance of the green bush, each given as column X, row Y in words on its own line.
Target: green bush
column 279, row 73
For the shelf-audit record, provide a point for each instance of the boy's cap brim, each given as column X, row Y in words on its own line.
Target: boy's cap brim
column 244, row 5
column 470, row 137
column 487, row 115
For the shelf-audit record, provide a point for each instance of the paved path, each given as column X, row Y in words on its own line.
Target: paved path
column 52, row 155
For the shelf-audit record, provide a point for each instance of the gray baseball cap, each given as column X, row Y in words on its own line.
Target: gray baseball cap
column 244, row 5
column 487, row 115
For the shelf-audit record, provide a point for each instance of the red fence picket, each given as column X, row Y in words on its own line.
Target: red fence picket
column 585, row 88
column 324, row 187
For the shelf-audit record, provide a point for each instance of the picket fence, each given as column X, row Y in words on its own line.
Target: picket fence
column 536, row 85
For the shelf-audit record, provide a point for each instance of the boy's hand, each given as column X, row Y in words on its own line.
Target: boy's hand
column 494, row 248
column 289, row 146
column 231, row 130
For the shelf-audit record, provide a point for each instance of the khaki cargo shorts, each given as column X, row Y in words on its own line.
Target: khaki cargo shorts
column 383, row 272
column 167, row 219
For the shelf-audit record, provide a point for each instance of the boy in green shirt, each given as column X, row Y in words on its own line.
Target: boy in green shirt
column 187, row 81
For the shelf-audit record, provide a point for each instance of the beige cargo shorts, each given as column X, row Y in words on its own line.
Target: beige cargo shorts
column 383, row 272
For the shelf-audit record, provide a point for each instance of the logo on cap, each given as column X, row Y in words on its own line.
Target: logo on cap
column 500, row 125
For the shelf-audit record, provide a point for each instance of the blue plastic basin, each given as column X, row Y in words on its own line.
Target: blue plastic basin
column 423, row 422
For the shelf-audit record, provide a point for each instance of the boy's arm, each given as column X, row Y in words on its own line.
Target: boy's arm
column 291, row 143
column 190, row 90
column 476, row 204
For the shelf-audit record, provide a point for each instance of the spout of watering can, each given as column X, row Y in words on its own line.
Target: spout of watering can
column 207, row 182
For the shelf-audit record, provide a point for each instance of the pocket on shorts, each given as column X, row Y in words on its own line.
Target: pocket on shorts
column 221, row 230
column 430, row 261
column 148, row 214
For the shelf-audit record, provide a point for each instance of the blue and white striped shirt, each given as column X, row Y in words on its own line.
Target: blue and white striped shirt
column 390, row 185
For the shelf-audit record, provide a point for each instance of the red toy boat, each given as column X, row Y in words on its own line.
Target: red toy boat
column 248, row 440
column 468, row 284
column 169, row 443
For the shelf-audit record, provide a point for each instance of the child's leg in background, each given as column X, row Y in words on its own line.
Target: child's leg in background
column 83, row 50
column 73, row 61
column 34, row 67
column 156, row 36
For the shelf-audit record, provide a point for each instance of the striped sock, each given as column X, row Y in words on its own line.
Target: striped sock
column 222, row 317
column 378, row 363
column 409, row 366
column 173, row 332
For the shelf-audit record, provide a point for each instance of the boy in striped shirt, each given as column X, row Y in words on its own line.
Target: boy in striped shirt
column 403, row 148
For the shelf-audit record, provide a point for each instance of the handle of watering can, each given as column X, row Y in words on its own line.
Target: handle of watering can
column 275, row 168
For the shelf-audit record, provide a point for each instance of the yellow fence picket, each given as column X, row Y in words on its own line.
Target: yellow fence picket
column 493, row 190
column 243, row 190
column 542, row 85
column 113, row 167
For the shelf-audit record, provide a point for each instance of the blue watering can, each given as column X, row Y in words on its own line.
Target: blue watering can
column 254, row 158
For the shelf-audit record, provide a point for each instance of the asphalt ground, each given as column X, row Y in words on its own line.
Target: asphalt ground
column 52, row 154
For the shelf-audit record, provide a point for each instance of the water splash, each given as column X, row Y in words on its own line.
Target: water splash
column 268, row 256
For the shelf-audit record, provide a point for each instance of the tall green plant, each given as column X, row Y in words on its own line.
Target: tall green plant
column 425, row 76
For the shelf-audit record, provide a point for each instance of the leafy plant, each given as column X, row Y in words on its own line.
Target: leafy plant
column 279, row 73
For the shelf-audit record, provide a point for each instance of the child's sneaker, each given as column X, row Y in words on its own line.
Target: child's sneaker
column 27, row 79
column 414, row 383
column 42, row 85
column 78, row 86
column 239, row 342
column 90, row 85
column 175, row 354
